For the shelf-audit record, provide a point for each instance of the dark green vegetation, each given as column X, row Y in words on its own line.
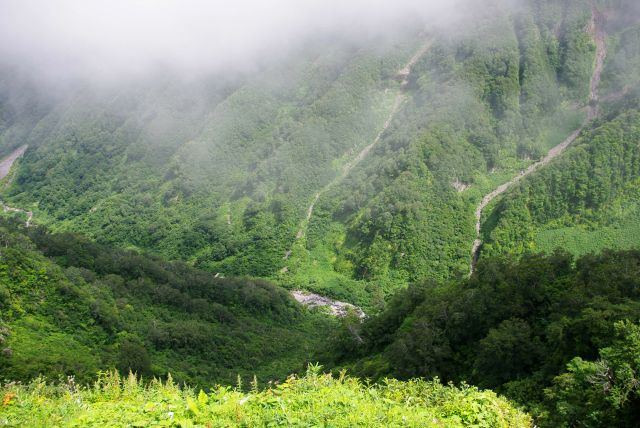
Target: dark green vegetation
column 72, row 307
column 314, row 400
column 603, row 392
column 516, row 327
column 586, row 201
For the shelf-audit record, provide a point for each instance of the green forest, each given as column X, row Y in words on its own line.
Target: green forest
column 557, row 335
column 73, row 307
column 469, row 190
column 221, row 173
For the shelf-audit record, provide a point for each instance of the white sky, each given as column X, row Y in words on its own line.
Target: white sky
column 113, row 36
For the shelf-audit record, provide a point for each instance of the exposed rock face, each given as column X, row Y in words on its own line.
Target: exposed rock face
column 339, row 309
column 5, row 167
column 7, row 163
column 459, row 185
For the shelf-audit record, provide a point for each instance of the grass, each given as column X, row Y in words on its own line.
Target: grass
column 623, row 234
column 313, row 400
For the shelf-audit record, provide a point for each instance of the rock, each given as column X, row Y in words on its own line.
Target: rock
column 337, row 308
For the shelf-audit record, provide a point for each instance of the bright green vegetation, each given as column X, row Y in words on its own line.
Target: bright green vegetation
column 220, row 172
column 72, row 307
column 624, row 233
column 313, row 400
column 514, row 327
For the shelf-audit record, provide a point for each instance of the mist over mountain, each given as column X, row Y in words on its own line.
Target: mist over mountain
column 112, row 39
column 194, row 190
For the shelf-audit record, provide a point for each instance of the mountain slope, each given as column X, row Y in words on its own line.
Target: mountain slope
column 586, row 201
column 71, row 307
column 407, row 213
column 514, row 326
column 220, row 171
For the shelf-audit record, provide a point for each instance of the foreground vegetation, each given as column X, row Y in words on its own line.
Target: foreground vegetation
column 556, row 335
column 313, row 400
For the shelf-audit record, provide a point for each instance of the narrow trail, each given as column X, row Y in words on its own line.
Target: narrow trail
column 5, row 167
column 403, row 76
column 599, row 36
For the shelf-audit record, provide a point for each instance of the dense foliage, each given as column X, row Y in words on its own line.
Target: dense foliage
column 313, row 400
column 482, row 104
column 72, row 307
column 513, row 326
column 588, row 200
column 605, row 392
column 584, row 202
column 220, row 171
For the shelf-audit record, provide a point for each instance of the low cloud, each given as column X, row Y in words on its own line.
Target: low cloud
column 102, row 38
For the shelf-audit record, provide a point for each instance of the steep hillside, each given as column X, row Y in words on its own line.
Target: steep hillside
column 71, row 307
column 483, row 106
column 588, row 200
column 392, row 143
column 585, row 202
column 216, row 171
column 516, row 327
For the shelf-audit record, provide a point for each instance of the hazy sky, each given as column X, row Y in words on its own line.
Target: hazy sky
column 107, row 37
